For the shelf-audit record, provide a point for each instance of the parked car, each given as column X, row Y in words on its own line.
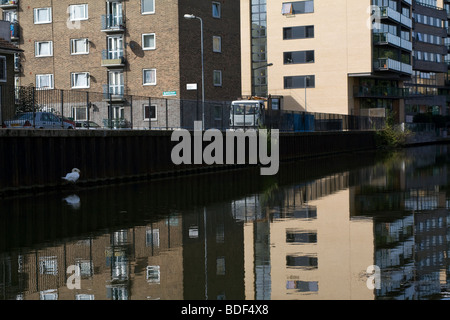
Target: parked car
column 42, row 120
column 87, row 125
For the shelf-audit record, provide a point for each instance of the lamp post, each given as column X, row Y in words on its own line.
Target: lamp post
column 190, row 17
column 306, row 77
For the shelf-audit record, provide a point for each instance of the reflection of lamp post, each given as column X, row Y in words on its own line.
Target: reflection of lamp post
column 253, row 76
column 191, row 16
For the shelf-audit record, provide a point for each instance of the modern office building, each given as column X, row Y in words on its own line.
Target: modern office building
column 357, row 57
column 144, row 47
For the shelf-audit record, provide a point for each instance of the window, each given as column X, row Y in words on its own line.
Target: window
column 42, row 15
column 79, row 46
column 2, row 68
column 149, row 77
column 147, row 6
column 150, row 113
column 217, row 78
column 297, row 82
column 217, row 44
column 44, row 81
column 216, row 10
column 297, row 7
column 302, row 32
column 78, row 12
column 80, row 80
column 296, row 57
column 148, row 41
column 10, row 15
column 79, row 113
column 153, row 274
column 44, row 48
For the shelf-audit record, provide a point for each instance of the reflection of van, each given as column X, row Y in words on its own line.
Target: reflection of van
column 247, row 113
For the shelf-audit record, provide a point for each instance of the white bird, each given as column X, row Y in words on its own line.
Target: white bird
column 72, row 176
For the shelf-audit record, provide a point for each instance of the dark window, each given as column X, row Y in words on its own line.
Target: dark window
column 299, row 261
column 299, row 57
column 297, row 82
column 302, row 32
column 298, row 7
column 150, row 113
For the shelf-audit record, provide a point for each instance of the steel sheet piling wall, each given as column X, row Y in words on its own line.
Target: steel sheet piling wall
column 39, row 158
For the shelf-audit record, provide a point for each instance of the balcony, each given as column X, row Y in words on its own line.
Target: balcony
column 386, row 64
column 113, row 23
column 113, row 93
column 9, row 4
column 380, row 92
column 15, row 31
column 391, row 39
column 396, row 16
column 113, row 58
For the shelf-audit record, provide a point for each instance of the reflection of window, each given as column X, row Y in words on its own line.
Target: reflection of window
column 84, row 297
column 48, row 265
column 303, row 286
column 217, row 78
column 220, row 266
column 153, row 274
column 148, row 41
column 42, row 15
column 49, row 294
column 301, row 237
column 216, row 12
column 301, row 261
column 152, row 238
column 217, row 44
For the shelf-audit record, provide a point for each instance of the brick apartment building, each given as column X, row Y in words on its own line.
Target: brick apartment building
column 127, row 47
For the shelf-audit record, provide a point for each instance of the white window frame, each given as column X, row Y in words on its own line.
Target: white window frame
column 219, row 50
column 49, row 9
column 75, row 113
column 214, row 78
column 73, row 46
column 38, row 86
column 156, row 113
column 37, row 51
column 72, row 80
column 143, row 77
column 71, row 12
column 147, row 12
column 219, row 10
column 3, row 66
column 154, row 41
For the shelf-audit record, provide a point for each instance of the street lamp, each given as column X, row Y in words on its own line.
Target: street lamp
column 190, row 17
column 306, row 77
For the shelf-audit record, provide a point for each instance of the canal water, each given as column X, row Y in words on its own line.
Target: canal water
column 357, row 226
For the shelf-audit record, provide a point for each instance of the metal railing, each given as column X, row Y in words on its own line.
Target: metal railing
column 113, row 109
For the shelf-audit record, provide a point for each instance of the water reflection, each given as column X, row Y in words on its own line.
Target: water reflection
column 309, row 233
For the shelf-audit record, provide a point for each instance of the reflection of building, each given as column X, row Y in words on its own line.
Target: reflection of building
column 139, row 263
column 307, row 255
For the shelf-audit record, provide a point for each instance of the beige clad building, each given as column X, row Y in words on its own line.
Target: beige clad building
column 330, row 47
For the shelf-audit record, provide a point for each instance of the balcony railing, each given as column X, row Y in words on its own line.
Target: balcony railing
column 380, row 92
column 387, row 12
column 386, row 64
column 113, row 92
column 112, row 58
column 9, row 3
column 112, row 22
column 389, row 38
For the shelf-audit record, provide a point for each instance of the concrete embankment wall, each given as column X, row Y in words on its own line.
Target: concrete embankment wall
column 33, row 159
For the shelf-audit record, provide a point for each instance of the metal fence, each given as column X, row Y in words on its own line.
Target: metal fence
column 114, row 110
